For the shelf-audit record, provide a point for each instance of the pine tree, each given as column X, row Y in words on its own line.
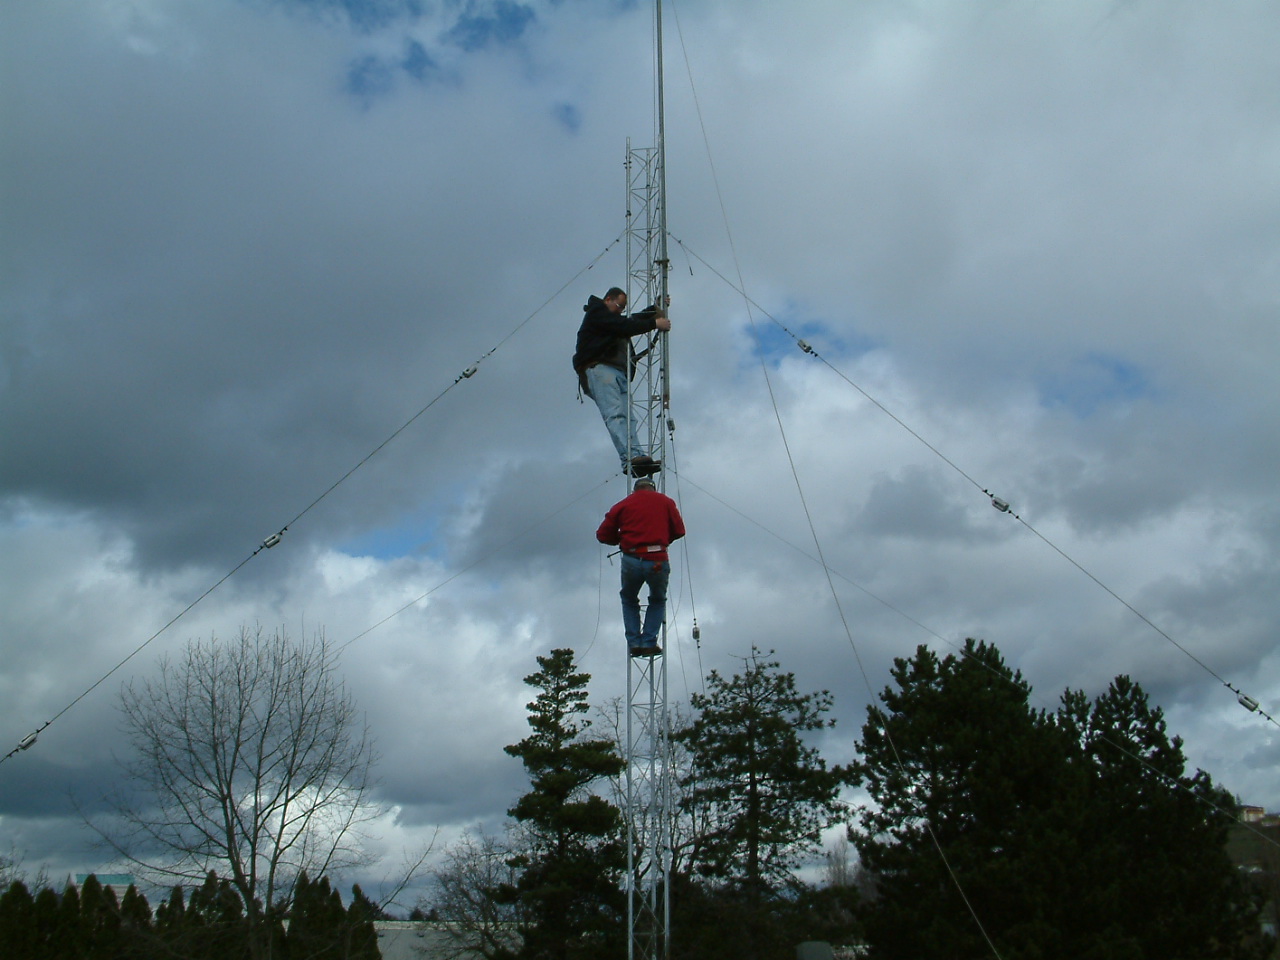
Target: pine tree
column 1158, row 868
column 769, row 795
column 994, row 825
column 45, row 914
column 760, row 795
column 17, row 922
column 310, row 926
column 574, row 856
column 362, row 937
column 135, row 925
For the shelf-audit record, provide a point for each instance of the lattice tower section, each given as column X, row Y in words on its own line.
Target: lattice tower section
column 648, row 786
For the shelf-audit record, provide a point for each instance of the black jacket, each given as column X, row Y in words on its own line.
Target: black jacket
column 605, row 336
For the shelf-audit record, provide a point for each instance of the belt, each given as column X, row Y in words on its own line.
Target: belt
column 639, row 552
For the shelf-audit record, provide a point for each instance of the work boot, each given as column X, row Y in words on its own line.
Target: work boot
column 643, row 466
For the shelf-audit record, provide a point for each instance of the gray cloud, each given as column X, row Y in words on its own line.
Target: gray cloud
column 1042, row 237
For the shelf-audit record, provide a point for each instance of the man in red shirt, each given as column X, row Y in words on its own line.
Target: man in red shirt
column 644, row 525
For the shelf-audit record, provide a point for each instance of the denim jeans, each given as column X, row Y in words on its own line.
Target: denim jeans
column 635, row 572
column 607, row 386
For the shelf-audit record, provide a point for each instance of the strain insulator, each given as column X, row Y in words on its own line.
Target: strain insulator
column 27, row 742
column 1001, row 505
column 1247, row 702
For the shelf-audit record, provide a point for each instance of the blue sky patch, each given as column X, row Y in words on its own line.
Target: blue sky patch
column 774, row 344
column 369, row 78
column 417, row 63
column 411, row 536
column 366, row 15
column 1092, row 382
column 569, row 116
column 506, row 22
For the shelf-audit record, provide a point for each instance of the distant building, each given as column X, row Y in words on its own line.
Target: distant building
column 423, row 940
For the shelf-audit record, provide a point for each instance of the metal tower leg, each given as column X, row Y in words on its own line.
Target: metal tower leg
column 648, row 793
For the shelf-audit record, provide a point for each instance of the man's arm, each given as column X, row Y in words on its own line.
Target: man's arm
column 608, row 531
column 655, row 316
column 676, row 523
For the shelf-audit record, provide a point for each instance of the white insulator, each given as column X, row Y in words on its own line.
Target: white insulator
column 1001, row 505
column 27, row 742
column 1247, row 702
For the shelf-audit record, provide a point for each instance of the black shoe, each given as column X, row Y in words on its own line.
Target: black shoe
column 645, row 650
column 643, row 466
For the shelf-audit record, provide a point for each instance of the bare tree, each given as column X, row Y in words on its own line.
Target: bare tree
column 474, row 869
column 840, row 866
column 249, row 758
column 12, row 870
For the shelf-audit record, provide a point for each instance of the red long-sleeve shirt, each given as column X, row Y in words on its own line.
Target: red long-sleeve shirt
column 644, row 520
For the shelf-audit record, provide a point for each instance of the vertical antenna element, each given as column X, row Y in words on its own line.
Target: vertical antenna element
column 648, row 753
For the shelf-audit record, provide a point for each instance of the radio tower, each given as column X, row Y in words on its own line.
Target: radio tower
column 648, row 800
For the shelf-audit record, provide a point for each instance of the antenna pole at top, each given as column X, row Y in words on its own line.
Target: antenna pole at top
column 662, row 260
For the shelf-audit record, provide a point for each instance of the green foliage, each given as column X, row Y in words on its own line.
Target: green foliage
column 361, row 936
column 17, row 922
column 210, row 924
column 573, row 857
column 321, row 929
column 762, row 795
column 84, row 924
column 49, row 941
column 757, row 798
column 1074, row 834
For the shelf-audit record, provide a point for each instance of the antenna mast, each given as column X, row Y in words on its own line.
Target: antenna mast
column 648, row 785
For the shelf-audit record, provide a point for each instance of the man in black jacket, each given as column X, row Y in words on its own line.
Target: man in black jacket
column 603, row 362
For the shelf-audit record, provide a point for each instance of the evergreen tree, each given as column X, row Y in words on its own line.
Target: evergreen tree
column 50, row 943
column 362, row 937
column 135, row 925
column 17, row 922
column 1158, row 870
column 767, row 795
column 99, row 921
column 760, row 798
column 68, row 938
column 320, row 929
column 995, row 822
column 315, row 928
column 568, row 882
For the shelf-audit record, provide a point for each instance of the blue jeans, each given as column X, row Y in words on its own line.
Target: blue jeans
column 635, row 572
column 607, row 386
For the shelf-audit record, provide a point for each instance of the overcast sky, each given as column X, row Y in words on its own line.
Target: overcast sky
column 243, row 242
